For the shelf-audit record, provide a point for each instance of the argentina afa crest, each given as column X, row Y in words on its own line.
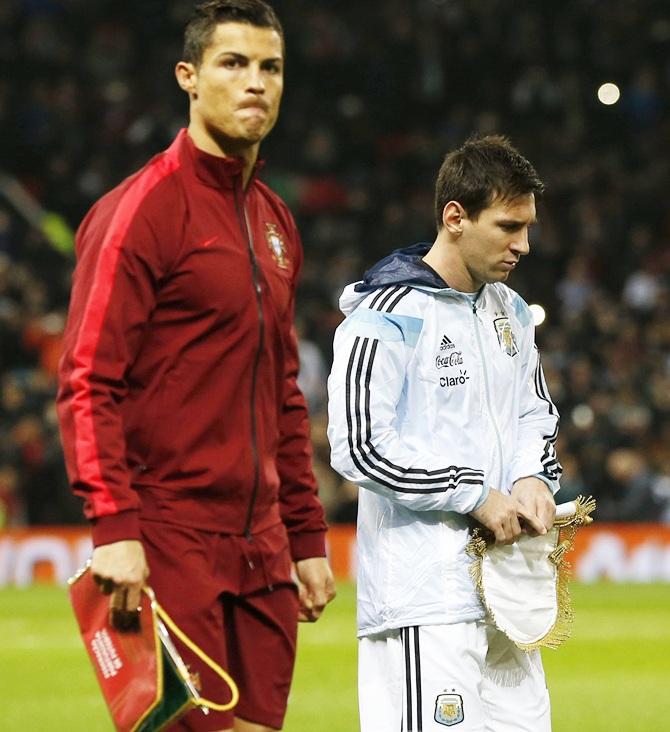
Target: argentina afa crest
column 276, row 244
column 506, row 336
column 449, row 709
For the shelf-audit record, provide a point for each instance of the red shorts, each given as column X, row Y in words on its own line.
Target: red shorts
column 236, row 600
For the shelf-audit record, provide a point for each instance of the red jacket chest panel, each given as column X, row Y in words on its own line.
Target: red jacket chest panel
column 229, row 249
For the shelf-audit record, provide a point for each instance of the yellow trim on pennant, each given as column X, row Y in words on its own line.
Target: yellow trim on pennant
column 201, row 701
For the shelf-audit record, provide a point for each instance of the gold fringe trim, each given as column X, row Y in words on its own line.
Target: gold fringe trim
column 584, row 507
column 568, row 527
column 556, row 557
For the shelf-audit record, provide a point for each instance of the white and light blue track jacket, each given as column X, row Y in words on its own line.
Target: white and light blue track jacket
column 433, row 399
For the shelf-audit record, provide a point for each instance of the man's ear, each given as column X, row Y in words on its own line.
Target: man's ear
column 452, row 218
column 187, row 78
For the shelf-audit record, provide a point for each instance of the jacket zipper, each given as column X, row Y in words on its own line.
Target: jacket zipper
column 487, row 389
column 255, row 276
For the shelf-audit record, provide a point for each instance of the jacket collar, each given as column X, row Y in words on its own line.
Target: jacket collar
column 403, row 267
column 406, row 267
column 213, row 170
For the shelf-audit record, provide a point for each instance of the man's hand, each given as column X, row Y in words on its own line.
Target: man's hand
column 499, row 514
column 121, row 570
column 535, row 505
column 316, row 587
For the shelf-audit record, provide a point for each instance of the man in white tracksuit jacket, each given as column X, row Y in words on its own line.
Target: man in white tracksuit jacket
column 439, row 411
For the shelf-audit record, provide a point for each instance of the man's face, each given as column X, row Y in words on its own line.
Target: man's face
column 492, row 245
column 238, row 85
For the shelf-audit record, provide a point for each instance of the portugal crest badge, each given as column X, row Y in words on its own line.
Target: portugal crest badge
column 449, row 709
column 276, row 244
column 505, row 336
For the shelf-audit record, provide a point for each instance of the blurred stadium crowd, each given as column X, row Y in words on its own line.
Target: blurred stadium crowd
column 376, row 93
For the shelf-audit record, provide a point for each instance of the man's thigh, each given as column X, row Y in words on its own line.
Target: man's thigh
column 261, row 651
column 423, row 679
column 198, row 577
column 183, row 577
column 514, row 689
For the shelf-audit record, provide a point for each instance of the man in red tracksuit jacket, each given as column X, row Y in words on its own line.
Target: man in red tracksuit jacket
column 183, row 427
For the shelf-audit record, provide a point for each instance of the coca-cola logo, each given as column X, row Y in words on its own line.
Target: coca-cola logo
column 453, row 359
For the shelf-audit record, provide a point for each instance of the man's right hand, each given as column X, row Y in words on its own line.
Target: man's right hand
column 121, row 570
column 499, row 514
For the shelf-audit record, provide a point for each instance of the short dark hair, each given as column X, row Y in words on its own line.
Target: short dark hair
column 481, row 171
column 207, row 15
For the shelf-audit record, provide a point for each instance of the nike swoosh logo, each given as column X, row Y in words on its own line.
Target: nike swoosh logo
column 208, row 242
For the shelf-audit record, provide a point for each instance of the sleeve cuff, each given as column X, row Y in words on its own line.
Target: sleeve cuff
column 116, row 527
column 553, row 485
column 307, row 545
column 483, row 497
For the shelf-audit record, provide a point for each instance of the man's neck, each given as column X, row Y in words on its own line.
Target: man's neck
column 450, row 268
column 223, row 148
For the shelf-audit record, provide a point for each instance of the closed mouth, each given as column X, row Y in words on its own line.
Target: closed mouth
column 257, row 105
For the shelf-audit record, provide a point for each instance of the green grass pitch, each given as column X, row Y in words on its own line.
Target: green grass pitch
column 613, row 675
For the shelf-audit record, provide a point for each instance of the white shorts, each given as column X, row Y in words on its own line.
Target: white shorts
column 467, row 675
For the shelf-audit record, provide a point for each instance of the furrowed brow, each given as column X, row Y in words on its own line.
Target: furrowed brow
column 232, row 54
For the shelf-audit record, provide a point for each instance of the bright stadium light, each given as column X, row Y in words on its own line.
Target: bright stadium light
column 608, row 93
column 539, row 313
column 582, row 416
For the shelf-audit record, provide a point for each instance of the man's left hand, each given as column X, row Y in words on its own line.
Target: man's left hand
column 316, row 587
column 536, row 504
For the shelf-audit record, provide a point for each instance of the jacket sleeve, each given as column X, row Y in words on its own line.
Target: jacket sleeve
column 112, row 299
column 372, row 357
column 300, row 508
column 538, row 421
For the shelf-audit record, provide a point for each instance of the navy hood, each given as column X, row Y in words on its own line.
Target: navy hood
column 402, row 267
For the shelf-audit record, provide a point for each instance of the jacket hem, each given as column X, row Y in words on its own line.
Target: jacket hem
column 203, row 510
column 465, row 617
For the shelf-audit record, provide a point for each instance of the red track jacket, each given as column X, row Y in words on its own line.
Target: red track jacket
column 178, row 399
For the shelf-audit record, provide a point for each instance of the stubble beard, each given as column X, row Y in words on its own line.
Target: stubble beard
column 238, row 142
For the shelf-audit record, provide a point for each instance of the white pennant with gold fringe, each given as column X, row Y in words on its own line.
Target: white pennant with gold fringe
column 524, row 585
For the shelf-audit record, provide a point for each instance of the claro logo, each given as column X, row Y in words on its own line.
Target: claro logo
column 449, row 381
